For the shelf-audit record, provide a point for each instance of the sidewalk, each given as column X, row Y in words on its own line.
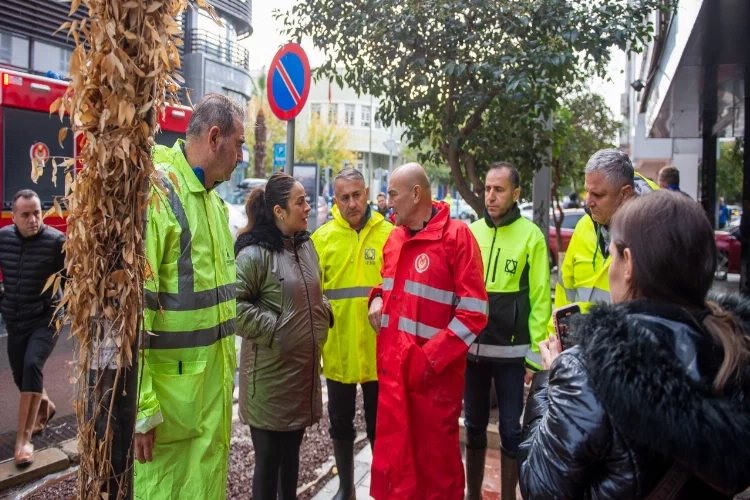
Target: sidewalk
column 363, row 461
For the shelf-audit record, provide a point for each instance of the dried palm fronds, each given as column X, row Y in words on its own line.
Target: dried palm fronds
column 123, row 72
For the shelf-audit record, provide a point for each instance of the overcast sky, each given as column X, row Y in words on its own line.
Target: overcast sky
column 266, row 39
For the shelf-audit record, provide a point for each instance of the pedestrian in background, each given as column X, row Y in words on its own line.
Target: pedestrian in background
column 516, row 275
column 350, row 249
column 185, row 389
column 669, row 178
column 383, row 206
column 30, row 252
column 283, row 320
column 431, row 306
column 653, row 402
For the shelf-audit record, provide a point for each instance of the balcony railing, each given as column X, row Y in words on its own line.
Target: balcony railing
column 220, row 48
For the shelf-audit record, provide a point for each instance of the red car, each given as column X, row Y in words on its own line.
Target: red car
column 572, row 216
column 729, row 247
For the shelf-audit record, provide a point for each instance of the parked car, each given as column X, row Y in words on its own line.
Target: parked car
column 729, row 249
column 237, row 218
column 527, row 209
column 462, row 210
column 572, row 216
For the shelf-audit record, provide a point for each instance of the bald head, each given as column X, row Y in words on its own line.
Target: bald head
column 413, row 174
column 409, row 195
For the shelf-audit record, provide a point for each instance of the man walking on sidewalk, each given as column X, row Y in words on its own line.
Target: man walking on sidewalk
column 350, row 249
column 30, row 252
column 516, row 274
column 429, row 310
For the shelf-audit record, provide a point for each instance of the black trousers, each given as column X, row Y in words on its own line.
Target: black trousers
column 28, row 350
column 276, row 463
column 508, row 378
column 342, row 402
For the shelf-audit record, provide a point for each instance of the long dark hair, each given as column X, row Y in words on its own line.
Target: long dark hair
column 262, row 200
column 674, row 259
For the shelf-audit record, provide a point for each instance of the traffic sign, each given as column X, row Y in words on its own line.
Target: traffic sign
column 279, row 154
column 288, row 81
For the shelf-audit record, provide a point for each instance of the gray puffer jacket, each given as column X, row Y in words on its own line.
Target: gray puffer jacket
column 283, row 319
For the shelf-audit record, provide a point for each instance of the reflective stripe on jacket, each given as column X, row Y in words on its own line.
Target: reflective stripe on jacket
column 351, row 264
column 584, row 274
column 434, row 306
column 189, row 359
column 516, row 275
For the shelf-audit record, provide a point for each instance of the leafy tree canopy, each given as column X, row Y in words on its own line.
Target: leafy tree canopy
column 471, row 78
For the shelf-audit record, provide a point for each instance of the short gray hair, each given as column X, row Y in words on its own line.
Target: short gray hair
column 614, row 165
column 349, row 174
column 215, row 110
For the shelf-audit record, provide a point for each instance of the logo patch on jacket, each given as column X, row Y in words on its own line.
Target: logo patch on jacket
column 370, row 255
column 422, row 263
column 511, row 266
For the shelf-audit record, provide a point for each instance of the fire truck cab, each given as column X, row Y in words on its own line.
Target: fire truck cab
column 28, row 131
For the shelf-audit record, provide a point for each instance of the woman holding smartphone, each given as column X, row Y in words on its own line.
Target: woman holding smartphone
column 654, row 401
column 283, row 319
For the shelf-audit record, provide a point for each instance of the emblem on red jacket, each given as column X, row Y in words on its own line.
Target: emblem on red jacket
column 422, row 263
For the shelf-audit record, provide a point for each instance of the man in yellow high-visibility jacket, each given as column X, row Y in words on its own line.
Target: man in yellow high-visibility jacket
column 350, row 248
column 185, row 388
column 584, row 274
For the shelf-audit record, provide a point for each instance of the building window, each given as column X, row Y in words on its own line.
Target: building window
column 48, row 57
column 315, row 111
column 14, row 50
column 366, row 116
column 333, row 113
column 237, row 96
column 349, row 114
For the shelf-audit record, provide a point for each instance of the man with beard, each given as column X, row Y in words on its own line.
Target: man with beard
column 516, row 275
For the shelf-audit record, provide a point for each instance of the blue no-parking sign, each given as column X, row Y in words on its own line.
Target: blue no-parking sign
column 288, row 82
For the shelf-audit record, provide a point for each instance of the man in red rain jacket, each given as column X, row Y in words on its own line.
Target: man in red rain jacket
column 430, row 308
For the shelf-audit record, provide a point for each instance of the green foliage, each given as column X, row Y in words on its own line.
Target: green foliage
column 325, row 144
column 729, row 170
column 473, row 79
column 272, row 129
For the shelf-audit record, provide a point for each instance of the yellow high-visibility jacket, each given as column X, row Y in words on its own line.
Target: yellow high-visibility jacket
column 188, row 365
column 351, row 264
column 584, row 274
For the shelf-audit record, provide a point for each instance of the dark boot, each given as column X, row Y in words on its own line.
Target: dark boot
column 475, row 458
column 343, row 452
column 508, row 477
column 27, row 411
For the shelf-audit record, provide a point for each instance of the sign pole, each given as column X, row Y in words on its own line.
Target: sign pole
column 290, row 147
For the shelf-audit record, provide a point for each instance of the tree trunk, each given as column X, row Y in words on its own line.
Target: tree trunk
column 121, row 80
column 260, row 144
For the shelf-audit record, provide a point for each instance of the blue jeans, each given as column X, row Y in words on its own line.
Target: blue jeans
column 508, row 378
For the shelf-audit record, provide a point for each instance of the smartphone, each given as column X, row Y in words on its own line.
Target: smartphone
column 562, row 318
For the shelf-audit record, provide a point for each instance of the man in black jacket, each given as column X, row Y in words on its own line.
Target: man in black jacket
column 30, row 253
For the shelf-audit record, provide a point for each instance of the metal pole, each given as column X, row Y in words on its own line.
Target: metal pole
column 709, row 100
column 391, row 145
column 369, row 155
column 745, row 220
column 290, row 147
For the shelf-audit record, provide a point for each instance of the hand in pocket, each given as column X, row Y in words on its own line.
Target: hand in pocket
column 418, row 369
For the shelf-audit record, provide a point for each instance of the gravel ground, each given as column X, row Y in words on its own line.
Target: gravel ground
column 315, row 452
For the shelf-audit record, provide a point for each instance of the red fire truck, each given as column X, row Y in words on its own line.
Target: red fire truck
column 27, row 130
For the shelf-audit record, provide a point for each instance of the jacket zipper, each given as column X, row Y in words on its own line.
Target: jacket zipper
column 312, row 335
column 494, row 271
column 486, row 276
column 20, row 272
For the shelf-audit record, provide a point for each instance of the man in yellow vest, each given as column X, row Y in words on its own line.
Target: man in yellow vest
column 185, row 390
column 350, row 248
column 610, row 181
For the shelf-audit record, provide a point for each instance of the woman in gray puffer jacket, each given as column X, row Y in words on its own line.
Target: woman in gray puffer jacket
column 283, row 319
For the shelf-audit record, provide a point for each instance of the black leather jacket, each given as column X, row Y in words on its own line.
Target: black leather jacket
column 616, row 411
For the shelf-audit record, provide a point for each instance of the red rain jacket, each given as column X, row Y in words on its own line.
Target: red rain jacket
column 434, row 306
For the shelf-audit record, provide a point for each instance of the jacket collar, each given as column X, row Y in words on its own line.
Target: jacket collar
column 42, row 229
column 175, row 157
column 652, row 367
column 512, row 216
column 371, row 218
column 434, row 227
